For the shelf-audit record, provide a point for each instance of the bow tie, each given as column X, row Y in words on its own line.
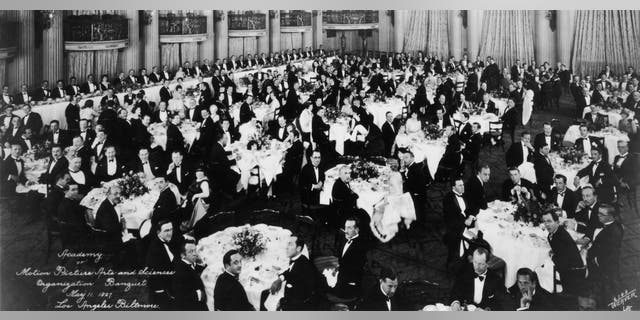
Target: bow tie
column 145, row 163
column 178, row 166
column 17, row 160
column 386, row 298
column 478, row 276
column 562, row 193
column 350, row 241
column 112, row 161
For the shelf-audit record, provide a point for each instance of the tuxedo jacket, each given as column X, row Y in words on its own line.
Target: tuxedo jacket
column 352, row 263
column 454, row 218
column 605, row 249
column 72, row 115
column 165, row 94
column 307, row 178
column 566, row 255
column 343, row 197
column 389, row 136
column 85, row 88
column 603, row 180
column 416, row 181
column 229, row 294
column 274, row 133
column 544, row 172
column 245, row 113
column 492, row 293
column 186, row 174
column 556, row 142
column 34, row 122
column 58, row 93
column 64, row 138
column 53, row 170
column 318, row 130
column 185, row 284
column 489, row 107
column 102, row 173
column 42, row 94
column 158, row 259
column 301, row 285
column 595, row 143
column 155, row 78
column 175, row 139
column 20, row 99
column 626, row 169
column 375, row 300
column 587, row 219
column 293, row 158
column 515, row 157
column 508, row 185
column 10, row 167
column 3, row 102
column 542, row 300
column 165, row 207
column 107, row 220
column 570, row 201
column 155, row 165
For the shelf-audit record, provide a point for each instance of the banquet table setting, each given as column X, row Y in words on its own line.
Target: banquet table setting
column 269, row 160
column 611, row 137
column 264, row 112
column 519, row 244
column 189, row 130
column 424, row 148
column 613, row 114
column 560, row 166
column 33, row 169
column 483, row 120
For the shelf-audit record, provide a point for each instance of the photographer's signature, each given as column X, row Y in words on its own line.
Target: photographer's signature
column 622, row 298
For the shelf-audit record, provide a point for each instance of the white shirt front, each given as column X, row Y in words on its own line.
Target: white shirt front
column 163, row 116
column 621, row 159
column 525, row 153
column 586, row 145
column 92, row 87
column 166, row 248
column 388, row 301
column 78, row 176
column 7, row 99
column 111, row 167
column 56, row 135
column 560, row 198
column 347, row 245
column 179, row 174
column 478, row 287
column 460, row 200
column 52, row 164
column 598, row 230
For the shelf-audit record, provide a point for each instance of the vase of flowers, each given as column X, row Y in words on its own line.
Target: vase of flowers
column 249, row 241
column 432, row 132
column 364, row 170
column 571, row 155
column 132, row 185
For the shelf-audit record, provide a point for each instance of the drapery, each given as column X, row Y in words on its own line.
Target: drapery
column 243, row 46
column 606, row 37
column 170, row 55
column 189, row 52
column 427, row 30
column 3, row 72
column 290, row 40
column 507, row 35
column 99, row 62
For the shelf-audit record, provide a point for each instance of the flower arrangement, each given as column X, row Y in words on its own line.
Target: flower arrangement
column 571, row 155
column 333, row 113
column 379, row 96
column 250, row 242
column 432, row 132
column 263, row 142
column 38, row 151
column 364, row 170
column 132, row 185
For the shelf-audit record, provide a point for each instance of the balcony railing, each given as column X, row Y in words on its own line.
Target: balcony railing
column 247, row 20
column 8, row 34
column 349, row 16
column 93, row 28
column 173, row 25
column 295, row 18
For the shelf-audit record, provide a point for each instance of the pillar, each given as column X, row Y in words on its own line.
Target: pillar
column 455, row 34
column 151, row 50
column 207, row 47
column 131, row 54
column 263, row 42
column 543, row 37
column 564, row 31
column 222, row 35
column 274, row 31
column 25, row 57
column 316, row 23
column 53, row 49
column 398, row 28
column 474, row 32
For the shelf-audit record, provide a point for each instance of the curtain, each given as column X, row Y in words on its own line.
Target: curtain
column 96, row 12
column 290, row 40
column 80, row 64
column 427, row 30
column 189, row 52
column 606, row 37
column 170, row 55
column 99, row 62
column 105, row 62
column 3, row 72
column 507, row 35
column 243, row 45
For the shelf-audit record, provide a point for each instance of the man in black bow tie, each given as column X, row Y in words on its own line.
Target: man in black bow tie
column 228, row 294
column 301, row 279
column 564, row 253
column 161, row 255
column 625, row 167
column 186, row 284
column 352, row 259
column 457, row 217
column 12, row 170
column 382, row 295
column 601, row 177
column 478, row 285
column 7, row 99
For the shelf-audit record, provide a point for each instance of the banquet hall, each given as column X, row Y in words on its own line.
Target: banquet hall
column 316, row 160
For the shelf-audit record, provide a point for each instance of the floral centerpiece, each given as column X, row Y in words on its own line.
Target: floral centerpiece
column 250, row 242
column 333, row 113
column 571, row 155
column 364, row 170
column 132, row 185
column 432, row 132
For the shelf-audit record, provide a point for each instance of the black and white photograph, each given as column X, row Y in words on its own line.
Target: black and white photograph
column 319, row 160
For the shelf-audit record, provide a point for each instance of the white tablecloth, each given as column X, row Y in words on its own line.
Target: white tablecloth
column 432, row 150
column 258, row 273
column 380, row 109
column 268, row 160
column 188, row 129
column 483, row 120
column 55, row 110
column 570, row 171
column 611, row 137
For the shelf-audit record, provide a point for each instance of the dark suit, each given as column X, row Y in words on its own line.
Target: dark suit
column 454, row 220
column 508, row 185
column 389, row 136
column 158, row 259
column 587, row 219
column 542, row 300
column 86, row 89
column 544, row 173
column 72, row 115
column 514, row 155
column 595, row 143
column 376, row 300
column 603, row 180
column 570, row 200
column 107, row 221
column 184, row 286
column 221, row 168
column 42, row 94
column 567, row 260
column 492, row 293
column 58, row 93
column 175, row 139
column 186, row 177
column 165, row 94
column 166, row 207
column 540, row 140
column 301, row 285
column 71, row 214
column 603, row 258
column 349, row 283
column 20, row 98
column 626, row 169
column 53, row 170
column 10, row 167
column 229, row 295
column 307, row 178
column 34, row 122
column 344, row 200
column 102, row 174
column 475, row 196
column 137, row 167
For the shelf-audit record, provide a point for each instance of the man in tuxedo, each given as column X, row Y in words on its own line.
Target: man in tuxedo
column 586, row 214
column 178, row 172
column 586, row 143
column 166, row 73
column 292, row 163
column 55, row 194
column 143, row 164
column 520, row 152
column 625, row 168
column 473, row 144
column 547, row 137
column 13, row 170
column 175, row 139
column 516, row 180
column 601, row 177
column 70, row 216
column 110, row 221
column 301, row 279
column 344, row 199
column 528, row 295
column 110, row 168
column 57, row 135
column 457, row 218
column 388, row 134
column 351, row 259
column 31, row 120
column 59, row 92
column 311, row 180
column 544, row 171
column 603, row 257
column 27, row 140
column 72, row 114
column 23, row 97
column 279, row 132
column 89, row 87
column 167, row 207
column 161, row 257
column 57, row 164
column 186, row 284
column 6, row 99
column 382, row 296
column 165, row 92
column 464, row 129
column 478, row 285
column 562, row 196
column 475, row 190
column 228, row 294
column 87, row 134
column 220, row 166
column 564, row 253
column 43, row 93
column 415, row 183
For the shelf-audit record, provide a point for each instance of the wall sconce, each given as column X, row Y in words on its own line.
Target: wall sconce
column 218, row 15
column 273, row 14
column 45, row 18
column 146, row 17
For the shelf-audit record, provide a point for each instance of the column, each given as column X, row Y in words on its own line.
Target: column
column 152, row 41
column 206, row 48
column 474, row 32
column 263, row 42
column 398, row 28
column 131, row 54
column 274, row 30
column 316, row 23
column 543, row 37
column 307, row 38
column 53, row 49
column 222, row 35
column 455, row 34
column 564, row 23
column 25, row 57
